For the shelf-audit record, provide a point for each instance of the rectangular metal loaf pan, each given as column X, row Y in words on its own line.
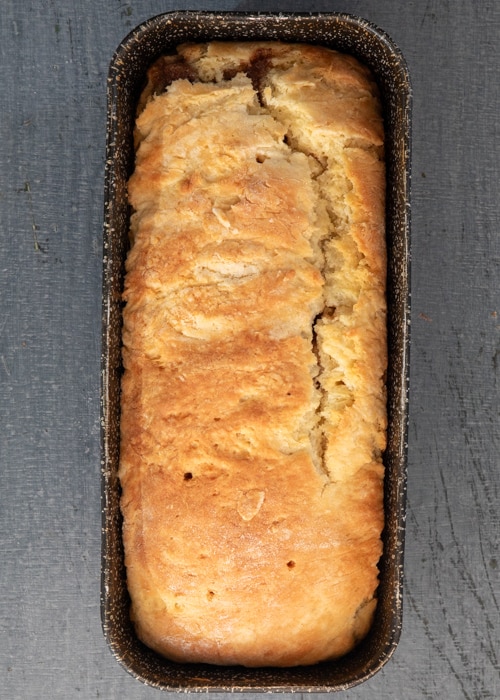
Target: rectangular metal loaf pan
column 135, row 54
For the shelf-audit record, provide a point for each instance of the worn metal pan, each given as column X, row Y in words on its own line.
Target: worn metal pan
column 126, row 79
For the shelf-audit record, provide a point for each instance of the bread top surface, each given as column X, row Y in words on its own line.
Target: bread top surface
column 253, row 399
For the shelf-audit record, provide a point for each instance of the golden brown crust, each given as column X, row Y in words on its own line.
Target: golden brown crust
column 253, row 398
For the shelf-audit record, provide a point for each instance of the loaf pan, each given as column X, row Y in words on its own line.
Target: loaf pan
column 132, row 58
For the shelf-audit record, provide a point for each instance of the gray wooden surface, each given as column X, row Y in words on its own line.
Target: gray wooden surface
column 54, row 56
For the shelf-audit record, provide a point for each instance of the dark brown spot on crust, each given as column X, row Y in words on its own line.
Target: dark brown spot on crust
column 256, row 69
column 163, row 73
column 167, row 70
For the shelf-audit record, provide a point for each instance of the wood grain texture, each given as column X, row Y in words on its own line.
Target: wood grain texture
column 54, row 56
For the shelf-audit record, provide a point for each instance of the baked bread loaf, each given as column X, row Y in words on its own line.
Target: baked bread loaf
column 254, row 351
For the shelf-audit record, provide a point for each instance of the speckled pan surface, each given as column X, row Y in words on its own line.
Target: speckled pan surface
column 127, row 71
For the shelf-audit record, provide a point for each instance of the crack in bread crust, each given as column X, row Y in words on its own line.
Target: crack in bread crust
column 254, row 349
